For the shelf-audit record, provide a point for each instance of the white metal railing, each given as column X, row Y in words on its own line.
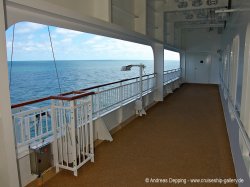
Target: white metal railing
column 35, row 125
column 32, row 125
column 171, row 75
column 107, row 99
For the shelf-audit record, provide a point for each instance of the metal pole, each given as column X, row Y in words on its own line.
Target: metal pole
column 54, row 127
column 73, row 126
column 141, row 69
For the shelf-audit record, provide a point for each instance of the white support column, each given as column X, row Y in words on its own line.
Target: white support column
column 8, row 162
column 183, row 65
column 158, row 50
column 73, row 127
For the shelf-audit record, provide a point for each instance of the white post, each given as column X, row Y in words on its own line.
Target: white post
column 98, row 102
column 73, row 126
column 91, row 131
column 158, row 50
column 148, row 83
column 141, row 69
column 121, row 94
column 8, row 163
column 54, row 126
column 183, row 66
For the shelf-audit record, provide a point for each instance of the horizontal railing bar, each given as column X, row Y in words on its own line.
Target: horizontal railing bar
column 30, row 102
column 172, row 70
column 74, row 95
column 59, row 97
column 108, row 84
column 67, row 98
column 130, row 98
column 123, row 85
column 27, row 112
column 171, row 80
column 40, row 137
column 71, row 92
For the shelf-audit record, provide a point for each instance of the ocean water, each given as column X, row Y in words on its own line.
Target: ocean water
column 36, row 79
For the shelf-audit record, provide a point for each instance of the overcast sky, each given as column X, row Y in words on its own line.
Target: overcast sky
column 32, row 43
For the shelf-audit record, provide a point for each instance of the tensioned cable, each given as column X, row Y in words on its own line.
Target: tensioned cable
column 12, row 52
column 59, row 85
column 54, row 60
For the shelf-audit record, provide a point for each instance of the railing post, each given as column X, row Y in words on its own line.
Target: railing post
column 121, row 94
column 54, row 129
column 164, row 77
column 98, row 102
column 89, row 105
column 148, row 81
column 138, row 87
column 72, row 129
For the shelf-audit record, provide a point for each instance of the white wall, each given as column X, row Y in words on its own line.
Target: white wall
column 201, row 45
column 237, row 25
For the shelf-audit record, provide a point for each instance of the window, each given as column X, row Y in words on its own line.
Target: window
column 171, row 60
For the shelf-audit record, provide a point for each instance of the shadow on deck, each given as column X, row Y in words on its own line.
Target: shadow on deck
column 183, row 137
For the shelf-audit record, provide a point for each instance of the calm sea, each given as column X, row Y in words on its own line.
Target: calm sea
column 35, row 79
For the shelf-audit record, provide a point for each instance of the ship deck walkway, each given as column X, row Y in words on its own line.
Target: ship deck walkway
column 183, row 137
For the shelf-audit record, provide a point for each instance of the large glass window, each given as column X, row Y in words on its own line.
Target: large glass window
column 82, row 59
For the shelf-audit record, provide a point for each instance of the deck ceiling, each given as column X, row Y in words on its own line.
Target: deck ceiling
column 195, row 13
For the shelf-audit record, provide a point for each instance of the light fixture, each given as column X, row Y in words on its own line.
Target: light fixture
column 212, row 2
column 139, row 110
column 126, row 68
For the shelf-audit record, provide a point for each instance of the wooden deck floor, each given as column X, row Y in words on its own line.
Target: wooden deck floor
column 183, row 137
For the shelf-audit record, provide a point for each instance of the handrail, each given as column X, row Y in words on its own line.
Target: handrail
column 172, row 70
column 108, row 84
column 104, row 100
column 30, row 102
column 72, row 92
column 72, row 97
column 59, row 97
